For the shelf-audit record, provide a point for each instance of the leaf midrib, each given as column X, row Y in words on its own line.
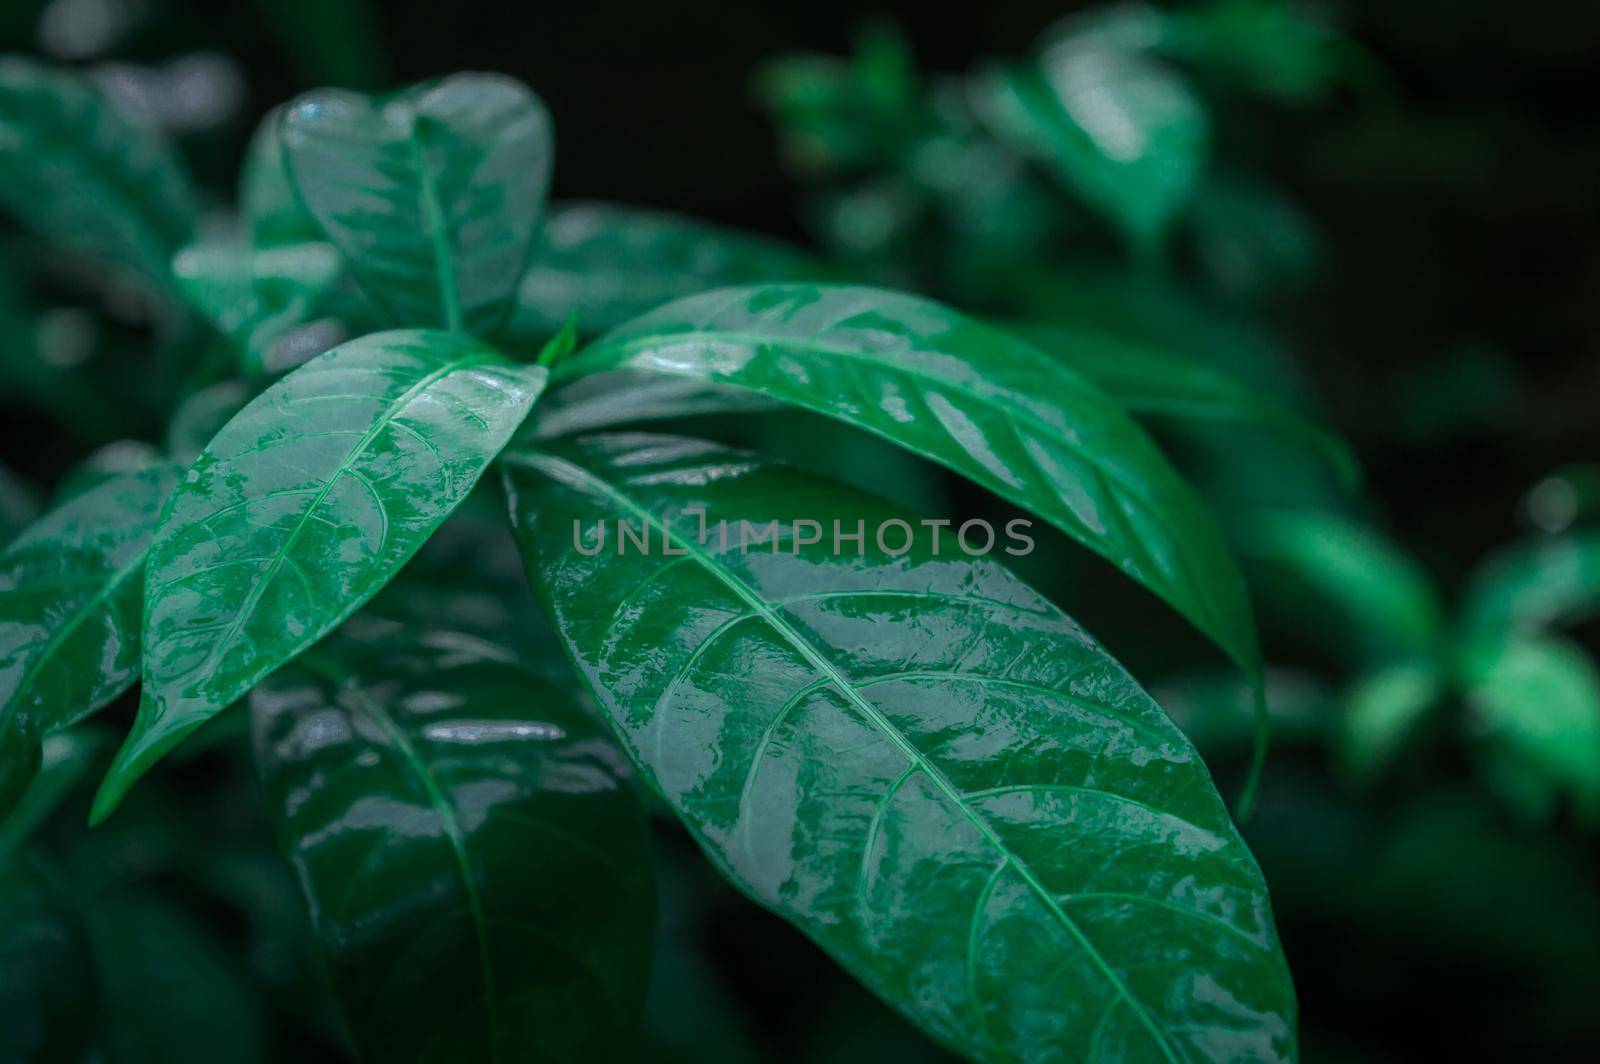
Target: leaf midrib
column 616, row 355
column 563, row 470
column 346, row 464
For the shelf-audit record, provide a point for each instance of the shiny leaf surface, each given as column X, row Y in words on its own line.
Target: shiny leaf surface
column 475, row 865
column 432, row 194
column 76, row 169
column 914, row 757
column 301, row 508
column 973, row 398
column 607, row 263
column 1151, row 382
column 69, row 612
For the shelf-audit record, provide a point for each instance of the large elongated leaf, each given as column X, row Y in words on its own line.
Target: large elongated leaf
column 476, row 867
column 433, row 194
column 973, row 398
column 77, row 170
column 913, row 756
column 69, row 613
column 1150, row 382
column 300, row 510
column 606, row 263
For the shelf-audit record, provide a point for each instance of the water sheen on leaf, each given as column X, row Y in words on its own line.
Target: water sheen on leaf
column 915, row 758
column 475, row 865
column 433, row 194
column 973, row 398
column 69, row 613
column 301, row 509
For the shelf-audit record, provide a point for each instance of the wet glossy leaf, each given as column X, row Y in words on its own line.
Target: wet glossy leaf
column 914, row 757
column 77, row 170
column 69, row 613
column 301, row 508
column 1151, row 382
column 432, row 194
column 1390, row 610
column 1123, row 131
column 476, row 866
column 973, row 398
column 607, row 263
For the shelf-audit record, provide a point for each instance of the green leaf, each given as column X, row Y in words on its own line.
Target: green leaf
column 69, row 613
column 201, row 416
column 477, row 869
column 1387, row 605
column 433, row 195
column 1123, row 131
column 18, row 505
column 914, row 757
column 1535, row 711
column 1529, row 588
column 608, row 263
column 67, row 759
column 972, row 398
column 47, row 978
column 301, row 508
column 1152, row 382
column 1382, row 711
column 114, row 460
column 77, row 170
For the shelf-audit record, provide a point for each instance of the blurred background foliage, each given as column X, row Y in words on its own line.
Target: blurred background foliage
column 1384, row 216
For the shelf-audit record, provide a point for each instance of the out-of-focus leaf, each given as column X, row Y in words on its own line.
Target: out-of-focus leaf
column 970, row 397
column 301, row 509
column 1121, row 130
column 1249, row 238
column 172, row 994
column 1150, row 381
column 916, row 758
column 477, row 868
column 273, row 215
column 114, row 460
column 1528, row 588
column 433, row 194
column 75, row 169
column 838, row 115
column 270, row 302
column 1268, row 46
column 201, row 416
column 1388, row 608
column 47, row 983
column 1215, row 708
column 69, row 627
column 68, row 758
column 1381, row 712
column 1535, row 711
column 606, row 263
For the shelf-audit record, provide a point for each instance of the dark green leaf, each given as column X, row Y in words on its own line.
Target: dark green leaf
column 18, row 505
column 1535, row 711
column 476, row 867
column 970, row 397
column 1152, row 382
column 1120, row 129
column 914, row 757
column 608, row 263
column 74, row 168
column 1381, row 713
column 67, row 759
column 69, row 611
column 433, row 194
column 1388, row 607
column 301, row 508
column 111, row 462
